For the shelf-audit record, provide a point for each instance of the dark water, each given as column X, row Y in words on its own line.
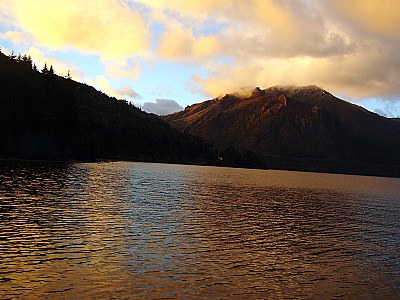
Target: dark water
column 132, row 230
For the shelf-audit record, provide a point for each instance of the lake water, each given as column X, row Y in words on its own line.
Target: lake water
column 134, row 230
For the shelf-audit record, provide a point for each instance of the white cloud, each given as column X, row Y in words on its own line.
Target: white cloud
column 122, row 68
column 128, row 92
column 161, row 107
column 389, row 109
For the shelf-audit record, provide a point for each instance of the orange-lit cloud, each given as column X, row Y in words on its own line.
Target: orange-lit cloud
column 292, row 42
column 179, row 43
column 355, row 75
column 376, row 16
column 104, row 27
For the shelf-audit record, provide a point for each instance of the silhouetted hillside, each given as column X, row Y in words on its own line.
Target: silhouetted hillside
column 45, row 116
column 304, row 128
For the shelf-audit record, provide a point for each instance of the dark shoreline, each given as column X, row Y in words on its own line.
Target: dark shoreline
column 342, row 168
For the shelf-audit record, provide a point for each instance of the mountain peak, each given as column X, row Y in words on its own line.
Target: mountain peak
column 293, row 121
column 257, row 92
column 291, row 89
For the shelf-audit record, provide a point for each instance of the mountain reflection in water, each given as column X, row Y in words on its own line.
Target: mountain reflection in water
column 127, row 230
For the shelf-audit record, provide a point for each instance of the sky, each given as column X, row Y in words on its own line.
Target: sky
column 163, row 55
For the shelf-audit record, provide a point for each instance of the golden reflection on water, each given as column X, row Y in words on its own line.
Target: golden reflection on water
column 128, row 230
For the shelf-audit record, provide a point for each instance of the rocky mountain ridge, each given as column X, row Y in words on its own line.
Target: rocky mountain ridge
column 294, row 123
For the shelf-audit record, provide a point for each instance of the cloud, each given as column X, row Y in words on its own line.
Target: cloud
column 122, row 68
column 127, row 91
column 106, row 27
column 342, row 46
column 102, row 83
column 389, row 109
column 378, row 17
column 6, row 19
column 180, row 43
column 380, row 112
column 16, row 37
column 194, row 9
column 161, row 107
column 61, row 67
column 356, row 76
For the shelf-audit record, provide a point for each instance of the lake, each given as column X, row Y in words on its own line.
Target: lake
column 127, row 230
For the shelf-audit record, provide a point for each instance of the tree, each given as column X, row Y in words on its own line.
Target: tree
column 34, row 68
column 51, row 71
column 69, row 75
column 12, row 55
column 29, row 60
column 45, row 70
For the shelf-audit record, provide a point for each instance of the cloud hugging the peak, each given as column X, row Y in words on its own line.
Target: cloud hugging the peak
column 161, row 107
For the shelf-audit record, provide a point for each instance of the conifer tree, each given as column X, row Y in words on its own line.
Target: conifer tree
column 45, row 70
column 51, row 70
column 30, row 60
column 34, row 68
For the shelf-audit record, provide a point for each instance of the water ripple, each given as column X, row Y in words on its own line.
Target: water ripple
column 131, row 230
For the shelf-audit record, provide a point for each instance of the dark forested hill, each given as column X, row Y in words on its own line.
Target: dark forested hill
column 303, row 128
column 45, row 116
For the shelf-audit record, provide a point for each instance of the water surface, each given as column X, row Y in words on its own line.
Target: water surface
column 134, row 230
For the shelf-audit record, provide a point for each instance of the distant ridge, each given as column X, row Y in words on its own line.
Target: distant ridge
column 293, row 127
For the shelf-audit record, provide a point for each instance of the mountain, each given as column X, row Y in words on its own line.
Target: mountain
column 303, row 128
column 45, row 116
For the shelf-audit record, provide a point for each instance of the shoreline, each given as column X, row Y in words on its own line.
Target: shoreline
column 387, row 171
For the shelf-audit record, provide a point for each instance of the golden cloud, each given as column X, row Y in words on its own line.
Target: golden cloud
column 278, row 17
column 102, row 83
column 291, row 43
column 348, row 75
column 179, row 43
column 104, row 27
column 379, row 17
